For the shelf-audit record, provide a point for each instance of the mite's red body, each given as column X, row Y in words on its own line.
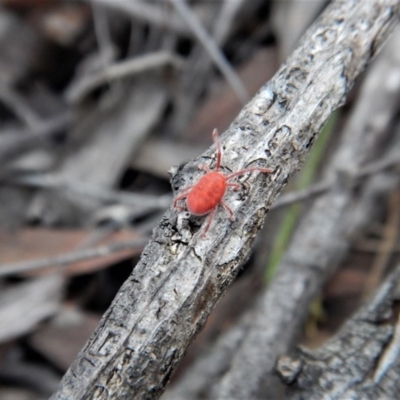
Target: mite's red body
column 205, row 196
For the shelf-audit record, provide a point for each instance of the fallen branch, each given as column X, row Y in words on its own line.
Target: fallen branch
column 122, row 69
column 64, row 260
column 94, row 192
column 368, row 363
column 148, row 12
column 212, row 49
column 181, row 275
column 19, row 106
column 17, row 142
column 320, row 188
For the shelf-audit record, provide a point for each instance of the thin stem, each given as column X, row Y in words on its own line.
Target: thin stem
column 291, row 217
column 71, row 258
column 212, row 49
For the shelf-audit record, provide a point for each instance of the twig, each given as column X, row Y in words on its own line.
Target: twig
column 319, row 188
column 360, row 362
column 212, row 49
column 44, row 127
column 120, row 70
column 102, row 31
column 390, row 354
column 71, row 258
column 388, row 243
column 380, row 165
column 49, row 181
column 372, row 246
column 230, row 9
column 17, row 142
column 19, row 106
column 102, row 158
column 148, row 12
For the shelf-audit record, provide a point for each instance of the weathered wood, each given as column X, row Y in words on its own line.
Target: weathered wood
column 181, row 276
column 361, row 362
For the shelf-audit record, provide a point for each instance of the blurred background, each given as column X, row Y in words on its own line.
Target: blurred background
column 98, row 101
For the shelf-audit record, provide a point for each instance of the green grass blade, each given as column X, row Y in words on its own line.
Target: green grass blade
column 291, row 217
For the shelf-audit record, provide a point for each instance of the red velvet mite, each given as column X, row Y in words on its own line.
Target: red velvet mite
column 205, row 196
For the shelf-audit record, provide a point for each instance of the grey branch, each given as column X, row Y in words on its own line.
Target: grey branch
column 328, row 184
column 17, row 103
column 71, row 258
column 149, row 12
column 368, row 364
column 17, row 142
column 212, row 49
column 181, row 275
column 100, row 194
column 120, row 70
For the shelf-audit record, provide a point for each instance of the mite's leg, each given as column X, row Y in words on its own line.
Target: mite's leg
column 227, row 208
column 246, row 170
column 219, row 148
column 235, row 186
column 210, row 217
column 181, row 196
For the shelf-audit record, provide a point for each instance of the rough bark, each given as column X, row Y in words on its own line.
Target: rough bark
column 361, row 362
column 181, row 275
